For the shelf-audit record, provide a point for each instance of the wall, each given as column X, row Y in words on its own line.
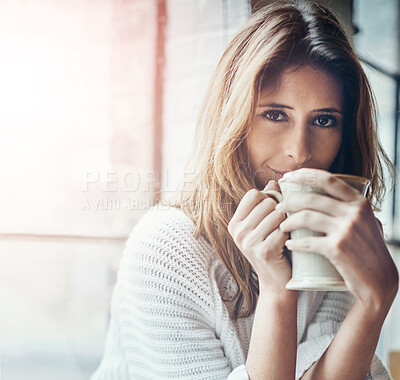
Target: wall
column 77, row 118
column 197, row 32
column 76, row 153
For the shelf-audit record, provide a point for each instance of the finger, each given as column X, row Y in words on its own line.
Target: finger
column 273, row 191
column 246, row 205
column 320, row 181
column 272, row 185
column 312, row 220
column 259, row 212
column 270, row 223
column 313, row 201
column 275, row 241
column 312, row 244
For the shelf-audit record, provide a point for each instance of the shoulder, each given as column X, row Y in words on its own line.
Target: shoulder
column 168, row 228
column 165, row 265
column 163, row 238
column 163, row 220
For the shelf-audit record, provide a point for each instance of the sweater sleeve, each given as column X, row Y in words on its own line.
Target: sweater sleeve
column 322, row 330
column 162, row 315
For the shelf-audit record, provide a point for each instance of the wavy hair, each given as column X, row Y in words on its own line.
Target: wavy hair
column 218, row 174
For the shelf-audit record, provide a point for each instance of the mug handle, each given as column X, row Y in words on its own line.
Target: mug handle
column 274, row 194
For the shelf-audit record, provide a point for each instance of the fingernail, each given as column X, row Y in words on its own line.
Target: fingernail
column 278, row 206
column 282, row 225
column 288, row 243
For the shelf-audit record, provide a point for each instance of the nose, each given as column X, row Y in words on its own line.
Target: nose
column 298, row 146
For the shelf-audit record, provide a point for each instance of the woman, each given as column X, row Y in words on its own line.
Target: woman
column 201, row 287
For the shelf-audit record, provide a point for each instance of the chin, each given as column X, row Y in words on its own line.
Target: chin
column 262, row 182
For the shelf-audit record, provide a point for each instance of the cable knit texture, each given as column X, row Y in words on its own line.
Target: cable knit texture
column 168, row 319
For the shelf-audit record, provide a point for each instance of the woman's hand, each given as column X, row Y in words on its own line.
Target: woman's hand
column 354, row 242
column 255, row 230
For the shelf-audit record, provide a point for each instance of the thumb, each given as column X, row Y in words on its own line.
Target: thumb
column 272, row 185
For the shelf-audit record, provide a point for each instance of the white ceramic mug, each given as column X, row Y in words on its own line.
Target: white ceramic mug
column 311, row 271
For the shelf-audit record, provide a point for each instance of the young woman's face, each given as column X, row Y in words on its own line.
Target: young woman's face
column 298, row 123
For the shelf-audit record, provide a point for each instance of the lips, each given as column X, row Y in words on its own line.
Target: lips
column 280, row 173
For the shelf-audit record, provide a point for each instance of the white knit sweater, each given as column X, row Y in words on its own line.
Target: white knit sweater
column 168, row 320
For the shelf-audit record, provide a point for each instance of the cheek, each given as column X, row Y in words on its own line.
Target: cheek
column 260, row 147
column 336, row 143
column 328, row 148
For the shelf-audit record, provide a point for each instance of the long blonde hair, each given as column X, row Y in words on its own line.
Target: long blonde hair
column 218, row 174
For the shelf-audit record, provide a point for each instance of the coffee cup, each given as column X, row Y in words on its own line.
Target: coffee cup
column 312, row 271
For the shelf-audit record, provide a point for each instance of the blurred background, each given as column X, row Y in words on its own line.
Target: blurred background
column 98, row 102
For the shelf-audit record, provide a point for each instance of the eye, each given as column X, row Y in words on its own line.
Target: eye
column 274, row 115
column 326, row 121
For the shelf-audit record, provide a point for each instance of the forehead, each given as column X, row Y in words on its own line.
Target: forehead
column 305, row 85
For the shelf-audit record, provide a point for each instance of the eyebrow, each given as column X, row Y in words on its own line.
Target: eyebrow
column 275, row 105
